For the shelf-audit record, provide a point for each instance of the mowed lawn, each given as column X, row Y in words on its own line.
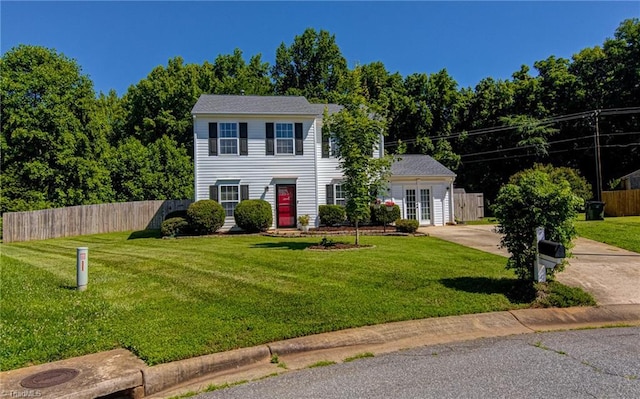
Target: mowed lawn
column 171, row 299
column 622, row 232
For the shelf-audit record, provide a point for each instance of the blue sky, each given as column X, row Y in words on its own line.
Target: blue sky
column 119, row 43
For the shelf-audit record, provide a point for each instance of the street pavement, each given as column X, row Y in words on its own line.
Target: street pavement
column 603, row 363
column 610, row 274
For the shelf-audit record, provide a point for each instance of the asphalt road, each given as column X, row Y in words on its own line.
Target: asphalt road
column 602, row 363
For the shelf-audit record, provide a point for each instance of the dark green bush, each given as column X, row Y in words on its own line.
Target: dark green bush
column 174, row 226
column 382, row 215
column 407, row 225
column 253, row 215
column 205, row 216
column 331, row 215
column 176, row 214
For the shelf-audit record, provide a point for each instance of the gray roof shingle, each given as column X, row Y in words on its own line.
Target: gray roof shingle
column 331, row 108
column 419, row 165
column 260, row 105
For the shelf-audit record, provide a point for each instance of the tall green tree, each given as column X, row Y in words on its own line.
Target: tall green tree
column 357, row 133
column 312, row 66
column 52, row 138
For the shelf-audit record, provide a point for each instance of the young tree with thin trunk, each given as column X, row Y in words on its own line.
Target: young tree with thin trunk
column 358, row 134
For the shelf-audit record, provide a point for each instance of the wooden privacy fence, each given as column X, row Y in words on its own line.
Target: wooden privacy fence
column 468, row 206
column 87, row 219
column 621, row 203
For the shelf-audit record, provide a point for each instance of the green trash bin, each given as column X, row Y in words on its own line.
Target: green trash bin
column 594, row 210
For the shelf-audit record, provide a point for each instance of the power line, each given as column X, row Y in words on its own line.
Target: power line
column 551, row 152
column 548, row 143
column 551, row 120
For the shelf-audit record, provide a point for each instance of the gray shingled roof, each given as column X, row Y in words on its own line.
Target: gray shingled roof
column 332, row 108
column 265, row 105
column 419, row 165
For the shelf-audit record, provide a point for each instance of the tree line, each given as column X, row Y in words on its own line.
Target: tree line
column 64, row 145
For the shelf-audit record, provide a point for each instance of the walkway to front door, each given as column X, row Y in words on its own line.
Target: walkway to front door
column 286, row 205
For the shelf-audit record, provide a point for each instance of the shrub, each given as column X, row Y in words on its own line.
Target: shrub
column 174, row 226
column 303, row 220
column 578, row 183
column 533, row 199
column 381, row 215
column 177, row 214
column 407, row 225
column 331, row 215
column 205, row 216
column 253, row 215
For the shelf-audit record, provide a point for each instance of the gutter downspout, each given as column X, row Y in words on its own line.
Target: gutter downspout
column 195, row 161
column 315, row 168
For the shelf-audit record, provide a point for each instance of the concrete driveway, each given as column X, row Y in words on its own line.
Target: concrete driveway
column 610, row 274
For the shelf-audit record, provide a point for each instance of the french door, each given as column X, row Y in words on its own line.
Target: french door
column 418, row 204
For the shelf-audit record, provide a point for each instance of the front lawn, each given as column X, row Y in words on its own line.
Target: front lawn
column 171, row 299
column 622, row 232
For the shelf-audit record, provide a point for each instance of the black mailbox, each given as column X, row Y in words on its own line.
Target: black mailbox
column 551, row 248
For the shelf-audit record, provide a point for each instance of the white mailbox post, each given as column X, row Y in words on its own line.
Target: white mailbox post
column 82, row 267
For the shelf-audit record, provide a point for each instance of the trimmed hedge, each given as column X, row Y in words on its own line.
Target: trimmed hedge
column 253, row 215
column 331, row 215
column 381, row 215
column 174, row 226
column 205, row 216
column 407, row 225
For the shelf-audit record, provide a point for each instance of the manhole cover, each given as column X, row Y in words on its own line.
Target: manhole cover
column 49, row 378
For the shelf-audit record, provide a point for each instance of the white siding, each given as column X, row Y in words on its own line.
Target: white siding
column 328, row 168
column 257, row 170
column 439, row 196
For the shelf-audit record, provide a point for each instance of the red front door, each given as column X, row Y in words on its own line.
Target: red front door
column 286, row 205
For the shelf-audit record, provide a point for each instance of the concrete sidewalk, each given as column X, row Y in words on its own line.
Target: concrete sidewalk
column 118, row 373
column 609, row 273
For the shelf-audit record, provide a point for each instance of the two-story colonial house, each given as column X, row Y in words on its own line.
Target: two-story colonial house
column 272, row 148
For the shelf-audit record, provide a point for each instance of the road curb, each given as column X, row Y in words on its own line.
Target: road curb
column 577, row 317
column 117, row 370
column 168, row 375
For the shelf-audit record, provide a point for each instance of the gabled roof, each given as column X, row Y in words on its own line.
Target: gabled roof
column 259, row 105
column 265, row 105
column 418, row 165
column 631, row 175
column 331, row 108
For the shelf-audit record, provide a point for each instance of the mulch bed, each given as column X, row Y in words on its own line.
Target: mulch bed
column 338, row 246
column 389, row 229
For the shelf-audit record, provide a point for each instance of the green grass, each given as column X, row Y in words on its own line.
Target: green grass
column 486, row 220
column 622, row 232
column 358, row 356
column 167, row 300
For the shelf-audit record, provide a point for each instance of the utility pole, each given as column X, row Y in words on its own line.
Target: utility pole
column 596, row 139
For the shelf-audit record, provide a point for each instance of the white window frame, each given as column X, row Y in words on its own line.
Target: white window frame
column 282, row 139
column 229, row 138
column 333, row 148
column 226, row 201
column 343, row 198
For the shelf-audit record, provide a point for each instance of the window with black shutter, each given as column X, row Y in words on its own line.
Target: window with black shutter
column 244, row 139
column 213, row 139
column 299, row 141
column 269, row 141
column 329, row 194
